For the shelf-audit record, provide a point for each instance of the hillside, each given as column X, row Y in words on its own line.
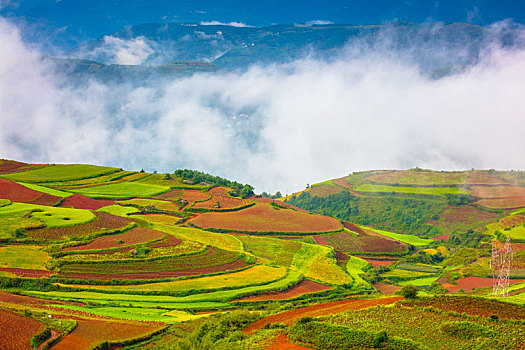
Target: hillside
column 93, row 255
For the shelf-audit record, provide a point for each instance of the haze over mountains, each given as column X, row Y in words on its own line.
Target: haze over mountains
column 275, row 105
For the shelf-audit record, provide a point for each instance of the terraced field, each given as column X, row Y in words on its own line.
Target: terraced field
column 55, row 173
column 122, row 190
column 265, row 218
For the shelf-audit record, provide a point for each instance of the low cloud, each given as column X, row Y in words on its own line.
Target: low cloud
column 120, row 51
column 276, row 127
column 231, row 24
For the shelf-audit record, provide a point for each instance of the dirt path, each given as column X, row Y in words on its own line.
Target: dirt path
column 333, row 307
column 53, row 336
column 282, row 343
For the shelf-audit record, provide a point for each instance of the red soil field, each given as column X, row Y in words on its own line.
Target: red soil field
column 219, row 191
column 173, row 194
column 482, row 178
column 471, row 306
column 17, row 330
column 24, row 300
column 324, row 190
column 463, row 218
column 18, row 193
column 503, row 203
column 320, row 240
column 169, row 242
column 386, row 289
column 469, row 283
column 226, row 202
column 263, row 217
column 259, row 199
column 135, row 236
column 235, row 265
column 304, row 287
column 497, row 191
column 441, row 238
column 90, row 333
column 11, row 166
column 30, row 273
column 380, row 262
column 513, row 220
column 195, row 196
column 342, row 182
column 79, row 201
column 333, row 307
column 282, row 343
column 367, row 241
column 102, row 221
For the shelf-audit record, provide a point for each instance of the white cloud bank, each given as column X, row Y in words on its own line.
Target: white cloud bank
column 231, row 24
column 294, row 124
column 120, row 51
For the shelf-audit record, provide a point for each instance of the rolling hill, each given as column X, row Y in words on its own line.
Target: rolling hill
column 98, row 257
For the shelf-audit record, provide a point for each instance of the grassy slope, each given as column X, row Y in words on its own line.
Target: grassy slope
column 410, row 239
column 23, row 257
column 435, row 191
column 122, row 190
column 51, row 216
column 61, row 173
column 47, row 190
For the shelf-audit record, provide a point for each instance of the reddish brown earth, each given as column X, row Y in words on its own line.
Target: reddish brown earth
column 225, row 202
column 195, row 196
column 265, row 218
column 324, row 190
column 483, row 179
column 22, row 299
column 169, row 242
column 30, row 273
column 282, row 343
column 497, row 191
column 320, row 240
column 259, row 199
column 386, row 289
column 380, row 262
column 469, row 283
column 90, row 333
column 137, row 235
column 463, row 218
column 18, row 193
column 304, row 287
column 175, row 193
column 333, row 307
column 102, row 221
column 234, row 265
column 342, row 182
column 16, row 330
column 219, row 191
column 441, row 238
column 79, row 201
column 11, row 166
column 503, row 203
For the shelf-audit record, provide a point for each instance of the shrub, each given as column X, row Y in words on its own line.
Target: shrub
column 409, row 292
column 466, row 330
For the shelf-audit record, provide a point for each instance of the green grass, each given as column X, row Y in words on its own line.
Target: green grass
column 10, row 223
column 158, row 204
column 220, row 240
column 258, row 274
column 118, row 210
column 355, row 267
column 409, row 239
column 47, row 190
column 23, row 257
column 317, row 262
column 421, row 282
column 4, row 202
column 138, row 313
column 51, row 216
column 517, row 211
column 122, row 190
column 167, row 302
column 61, row 173
column 434, row 191
column 397, row 273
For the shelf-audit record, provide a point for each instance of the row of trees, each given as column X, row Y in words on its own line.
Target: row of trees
column 198, row 176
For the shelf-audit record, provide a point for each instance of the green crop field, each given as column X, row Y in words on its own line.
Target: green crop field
column 419, row 177
column 405, row 274
column 410, row 239
column 122, row 190
column 47, row 190
column 259, row 274
column 434, row 191
column 23, row 257
column 355, row 267
column 220, row 240
column 60, row 173
column 118, row 210
column 11, row 222
column 158, row 204
column 51, row 216
column 420, row 282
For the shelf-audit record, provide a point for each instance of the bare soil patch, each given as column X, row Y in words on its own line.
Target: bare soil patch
column 304, row 287
column 79, row 201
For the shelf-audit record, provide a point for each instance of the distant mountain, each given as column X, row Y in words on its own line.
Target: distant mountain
column 67, row 23
column 434, row 47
